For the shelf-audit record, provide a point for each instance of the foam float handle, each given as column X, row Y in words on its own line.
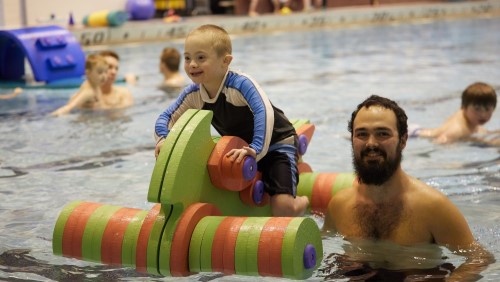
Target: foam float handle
column 249, row 169
column 226, row 174
column 304, row 133
column 254, row 195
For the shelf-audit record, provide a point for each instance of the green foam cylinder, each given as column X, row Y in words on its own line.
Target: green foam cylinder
column 300, row 232
column 57, row 235
column 130, row 237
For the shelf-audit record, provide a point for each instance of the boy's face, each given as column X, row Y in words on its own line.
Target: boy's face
column 98, row 75
column 201, row 62
column 113, row 66
column 478, row 114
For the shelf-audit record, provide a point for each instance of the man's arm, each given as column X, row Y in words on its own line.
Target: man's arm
column 76, row 101
column 127, row 99
column 450, row 229
column 477, row 260
column 16, row 92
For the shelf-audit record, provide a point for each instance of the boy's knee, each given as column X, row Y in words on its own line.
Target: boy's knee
column 287, row 206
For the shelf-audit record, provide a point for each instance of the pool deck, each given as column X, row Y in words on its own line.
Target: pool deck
column 158, row 30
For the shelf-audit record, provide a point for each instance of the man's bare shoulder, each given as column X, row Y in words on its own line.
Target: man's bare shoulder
column 344, row 194
column 341, row 200
column 424, row 196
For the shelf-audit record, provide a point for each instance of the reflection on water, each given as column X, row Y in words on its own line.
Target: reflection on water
column 26, row 267
column 321, row 75
column 338, row 266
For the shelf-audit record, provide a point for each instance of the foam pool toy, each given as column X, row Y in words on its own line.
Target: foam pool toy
column 105, row 18
column 42, row 57
column 47, row 53
column 140, row 9
column 210, row 215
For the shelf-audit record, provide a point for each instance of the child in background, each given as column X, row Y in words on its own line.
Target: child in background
column 173, row 81
column 240, row 108
column 479, row 100
column 115, row 97
column 16, row 92
column 89, row 96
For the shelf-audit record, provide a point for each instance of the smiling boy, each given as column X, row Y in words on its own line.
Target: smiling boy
column 240, row 108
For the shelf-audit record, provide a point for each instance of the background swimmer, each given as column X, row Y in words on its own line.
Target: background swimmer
column 115, row 97
column 89, row 96
column 478, row 103
column 173, row 81
column 11, row 95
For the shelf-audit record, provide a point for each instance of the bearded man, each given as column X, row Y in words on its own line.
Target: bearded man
column 388, row 205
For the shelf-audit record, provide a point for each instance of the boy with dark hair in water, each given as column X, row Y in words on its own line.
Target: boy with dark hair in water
column 479, row 101
column 170, row 60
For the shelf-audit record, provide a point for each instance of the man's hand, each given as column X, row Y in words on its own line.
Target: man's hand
column 238, row 154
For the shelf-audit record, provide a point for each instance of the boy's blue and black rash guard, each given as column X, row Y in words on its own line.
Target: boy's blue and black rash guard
column 240, row 109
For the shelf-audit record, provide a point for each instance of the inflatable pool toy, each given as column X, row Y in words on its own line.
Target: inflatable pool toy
column 105, row 18
column 51, row 53
column 210, row 215
column 139, row 10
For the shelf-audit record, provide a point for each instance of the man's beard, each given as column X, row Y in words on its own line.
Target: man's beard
column 376, row 172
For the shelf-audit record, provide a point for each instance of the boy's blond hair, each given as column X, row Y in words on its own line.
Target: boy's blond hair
column 479, row 93
column 94, row 60
column 110, row 53
column 220, row 38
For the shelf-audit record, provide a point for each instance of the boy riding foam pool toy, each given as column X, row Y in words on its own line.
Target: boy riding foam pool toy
column 212, row 215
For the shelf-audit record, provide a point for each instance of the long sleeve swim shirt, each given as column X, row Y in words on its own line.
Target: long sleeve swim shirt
column 241, row 109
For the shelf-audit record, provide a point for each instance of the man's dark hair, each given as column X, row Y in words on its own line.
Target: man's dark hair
column 374, row 100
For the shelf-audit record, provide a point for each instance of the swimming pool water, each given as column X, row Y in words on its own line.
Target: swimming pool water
column 319, row 74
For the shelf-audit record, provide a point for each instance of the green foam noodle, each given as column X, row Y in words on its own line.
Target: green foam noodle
column 57, row 235
column 94, row 229
column 129, row 244
column 207, row 242
column 247, row 245
column 300, row 232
